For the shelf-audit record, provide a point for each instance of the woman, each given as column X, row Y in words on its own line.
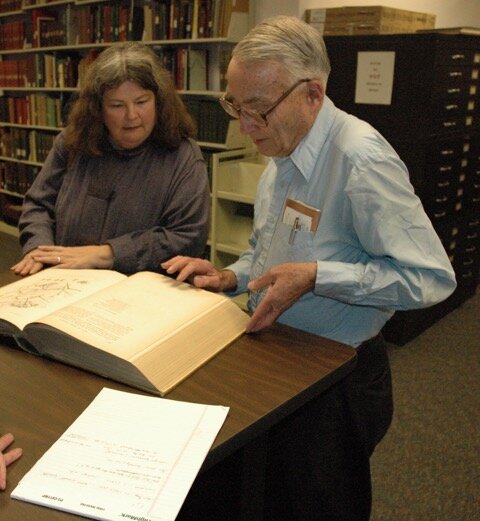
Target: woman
column 124, row 186
column 7, row 457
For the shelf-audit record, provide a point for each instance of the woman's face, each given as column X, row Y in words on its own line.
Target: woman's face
column 129, row 113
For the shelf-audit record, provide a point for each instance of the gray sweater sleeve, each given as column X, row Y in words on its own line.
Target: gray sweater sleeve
column 37, row 222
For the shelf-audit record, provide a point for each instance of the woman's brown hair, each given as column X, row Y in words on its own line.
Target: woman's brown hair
column 126, row 61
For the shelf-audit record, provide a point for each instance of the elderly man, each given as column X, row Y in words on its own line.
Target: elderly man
column 340, row 241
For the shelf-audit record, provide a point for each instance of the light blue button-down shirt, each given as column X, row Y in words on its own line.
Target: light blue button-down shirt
column 375, row 248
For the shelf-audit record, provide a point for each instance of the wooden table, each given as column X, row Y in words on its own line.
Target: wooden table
column 263, row 378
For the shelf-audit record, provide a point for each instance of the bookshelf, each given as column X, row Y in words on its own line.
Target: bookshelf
column 45, row 47
column 235, row 175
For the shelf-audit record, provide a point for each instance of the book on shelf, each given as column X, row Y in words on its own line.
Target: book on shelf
column 145, row 330
column 233, row 18
column 12, row 35
column 126, row 456
column 39, row 23
column 197, row 69
column 10, row 5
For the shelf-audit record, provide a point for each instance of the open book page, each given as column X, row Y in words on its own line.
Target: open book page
column 32, row 297
column 129, row 317
column 126, row 456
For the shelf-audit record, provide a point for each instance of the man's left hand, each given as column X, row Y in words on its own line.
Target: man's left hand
column 286, row 284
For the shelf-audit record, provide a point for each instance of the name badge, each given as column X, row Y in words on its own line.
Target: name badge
column 301, row 217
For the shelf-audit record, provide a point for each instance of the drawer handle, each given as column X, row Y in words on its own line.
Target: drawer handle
column 441, row 199
column 442, row 185
column 470, row 249
column 458, row 56
column 467, row 263
column 451, row 107
column 455, row 74
column 445, row 168
column 472, row 236
column 449, row 124
column 453, row 91
column 438, row 215
column 466, row 275
column 448, row 152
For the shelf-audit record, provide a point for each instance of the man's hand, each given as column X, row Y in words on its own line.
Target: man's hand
column 7, row 458
column 201, row 273
column 75, row 257
column 286, row 284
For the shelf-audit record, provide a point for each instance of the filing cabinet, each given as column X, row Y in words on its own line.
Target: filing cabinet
column 433, row 122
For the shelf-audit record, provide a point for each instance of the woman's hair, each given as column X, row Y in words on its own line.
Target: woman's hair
column 126, row 61
column 287, row 40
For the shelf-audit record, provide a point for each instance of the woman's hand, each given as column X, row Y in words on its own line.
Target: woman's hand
column 74, row 257
column 27, row 266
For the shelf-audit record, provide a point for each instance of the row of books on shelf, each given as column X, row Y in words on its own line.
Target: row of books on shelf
column 190, row 69
column 35, row 110
column 7, row 6
column 16, row 178
column 72, row 24
column 213, row 124
column 25, row 144
column 177, row 19
column 43, row 70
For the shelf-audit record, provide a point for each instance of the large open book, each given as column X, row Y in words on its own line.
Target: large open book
column 146, row 330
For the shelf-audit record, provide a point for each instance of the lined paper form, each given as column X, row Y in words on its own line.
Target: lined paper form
column 127, row 456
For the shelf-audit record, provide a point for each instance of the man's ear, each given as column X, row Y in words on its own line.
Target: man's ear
column 316, row 91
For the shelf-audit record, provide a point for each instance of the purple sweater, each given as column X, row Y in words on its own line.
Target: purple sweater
column 149, row 203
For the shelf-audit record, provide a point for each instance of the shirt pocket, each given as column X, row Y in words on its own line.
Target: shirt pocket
column 289, row 245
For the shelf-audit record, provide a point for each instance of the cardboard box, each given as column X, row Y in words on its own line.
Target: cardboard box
column 367, row 20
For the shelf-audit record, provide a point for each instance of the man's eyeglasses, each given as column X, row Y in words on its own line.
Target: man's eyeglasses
column 259, row 118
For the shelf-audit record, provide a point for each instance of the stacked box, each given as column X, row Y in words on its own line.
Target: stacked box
column 364, row 20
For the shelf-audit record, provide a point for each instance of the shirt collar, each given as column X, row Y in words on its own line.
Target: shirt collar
column 306, row 153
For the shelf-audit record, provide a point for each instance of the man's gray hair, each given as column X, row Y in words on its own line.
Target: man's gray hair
column 290, row 41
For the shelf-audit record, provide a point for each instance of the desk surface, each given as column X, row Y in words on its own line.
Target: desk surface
column 262, row 378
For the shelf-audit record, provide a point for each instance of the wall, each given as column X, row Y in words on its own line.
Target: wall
column 450, row 13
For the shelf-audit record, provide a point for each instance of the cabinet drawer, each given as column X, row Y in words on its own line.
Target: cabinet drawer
column 458, row 56
column 455, row 75
column 441, row 209
column 453, row 173
column 454, row 89
column 472, row 198
column 442, row 150
column 455, row 123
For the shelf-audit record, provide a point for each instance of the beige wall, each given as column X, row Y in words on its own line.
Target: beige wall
column 449, row 13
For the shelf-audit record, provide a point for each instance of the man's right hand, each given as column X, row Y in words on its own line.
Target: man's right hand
column 201, row 273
